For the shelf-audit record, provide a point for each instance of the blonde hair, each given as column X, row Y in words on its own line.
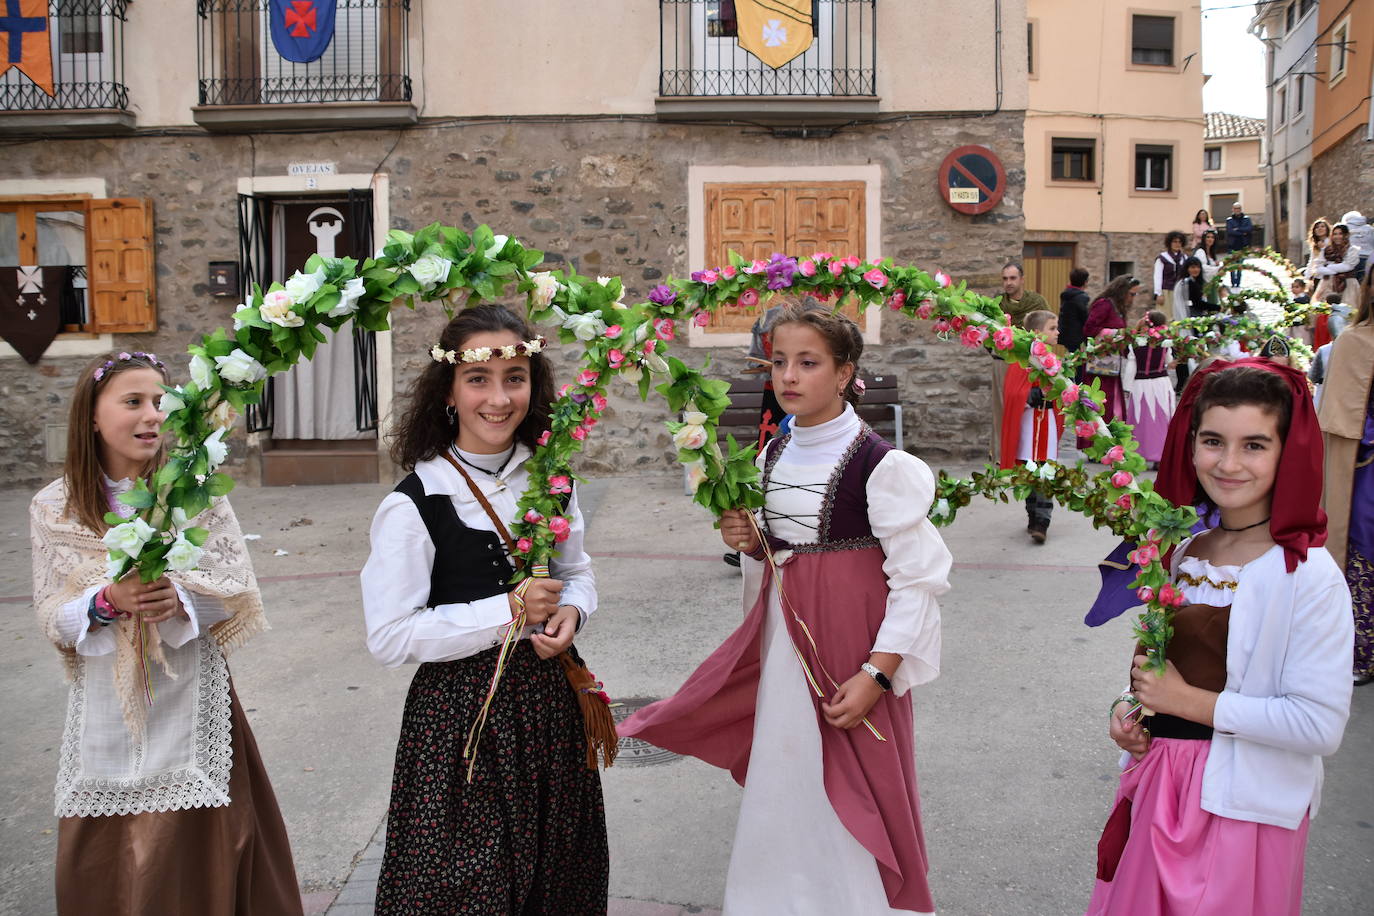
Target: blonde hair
column 1036, row 320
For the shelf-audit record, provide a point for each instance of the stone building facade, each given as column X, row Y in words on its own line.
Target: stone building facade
column 608, row 185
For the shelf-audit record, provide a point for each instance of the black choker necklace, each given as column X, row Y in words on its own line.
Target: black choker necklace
column 496, row 473
column 1247, row 527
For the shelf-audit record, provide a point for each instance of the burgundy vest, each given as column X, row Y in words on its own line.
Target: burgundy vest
column 844, row 508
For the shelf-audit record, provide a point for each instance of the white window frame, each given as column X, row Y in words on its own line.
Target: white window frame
column 1340, row 50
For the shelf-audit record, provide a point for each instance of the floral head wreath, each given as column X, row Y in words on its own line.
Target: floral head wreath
column 482, row 354
column 124, row 358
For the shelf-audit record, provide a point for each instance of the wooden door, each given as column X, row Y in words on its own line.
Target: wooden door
column 795, row 218
column 1047, row 267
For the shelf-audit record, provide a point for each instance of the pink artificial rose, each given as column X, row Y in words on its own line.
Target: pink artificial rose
column 1124, row 501
column 942, row 279
column 807, row 268
column 1145, row 594
column 925, row 309
column 1070, row 395
column 1038, row 348
column 1145, row 554
column 565, row 390
column 560, row 527
column 749, row 298
column 758, row 266
column 613, row 332
column 851, row 261
column 1050, row 363
column 666, row 329
column 544, row 437
column 958, row 322
column 587, row 377
column 1115, row 455
column 973, row 336
column 709, row 276
column 1122, row 479
column 578, row 433
column 1085, row 429
column 650, row 345
column 1003, row 338
column 821, row 296
column 701, row 319
column 589, row 422
column 1169, row 596
column 821, row 256
column 728, row 271
column 560, row 483
column 836, row 268
column 524, row 545
column 614, row 358
column 942, row 327
column 875, row 278
column 533, row 517
column 897, row 301
column 599, row 402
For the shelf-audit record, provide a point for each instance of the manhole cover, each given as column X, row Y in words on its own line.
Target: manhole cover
column 634, row 752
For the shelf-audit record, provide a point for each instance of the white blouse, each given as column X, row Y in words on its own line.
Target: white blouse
column 900, row 491
column 401, row 625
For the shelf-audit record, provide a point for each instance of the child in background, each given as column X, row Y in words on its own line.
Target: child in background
column 1150, row 397
column 1031, row 424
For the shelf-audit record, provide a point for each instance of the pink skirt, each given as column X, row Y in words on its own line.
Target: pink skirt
column 1179, row 859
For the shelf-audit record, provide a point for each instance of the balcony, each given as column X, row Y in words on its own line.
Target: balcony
column 64, row 72
column 358, row 77
column 705, row 72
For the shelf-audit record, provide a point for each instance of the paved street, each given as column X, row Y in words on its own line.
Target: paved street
column 1015, row 765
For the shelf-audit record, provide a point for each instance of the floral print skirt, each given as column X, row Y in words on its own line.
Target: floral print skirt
column 528, row 834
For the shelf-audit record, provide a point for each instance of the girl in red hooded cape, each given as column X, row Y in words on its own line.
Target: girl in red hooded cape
column 807, row 703
column 1220, row 782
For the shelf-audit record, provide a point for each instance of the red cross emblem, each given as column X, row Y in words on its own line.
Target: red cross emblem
column 300, row 19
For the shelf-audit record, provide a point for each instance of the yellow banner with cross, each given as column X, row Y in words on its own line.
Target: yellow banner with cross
column 775, row 31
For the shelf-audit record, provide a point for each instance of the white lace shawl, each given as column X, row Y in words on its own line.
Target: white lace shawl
column 119, row 755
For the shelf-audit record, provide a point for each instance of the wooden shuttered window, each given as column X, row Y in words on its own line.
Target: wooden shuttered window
column 795, row 218
column 119, row 239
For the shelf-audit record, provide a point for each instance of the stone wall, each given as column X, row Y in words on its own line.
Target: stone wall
column 1097, row 249
column 1343, row 178
column 601, row 197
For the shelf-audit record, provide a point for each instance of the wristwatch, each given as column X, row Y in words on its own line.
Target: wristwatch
column 872, row 671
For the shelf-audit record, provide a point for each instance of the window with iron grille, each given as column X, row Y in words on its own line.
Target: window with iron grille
column 86, row 44
column 1073, row 159
column 1154, row 166
column 1152, row 40
column 700, row 54
column 367, row 59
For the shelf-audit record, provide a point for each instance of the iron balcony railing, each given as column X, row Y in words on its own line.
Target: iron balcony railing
column 85, row 45
column 700, row 53
column 368, row 59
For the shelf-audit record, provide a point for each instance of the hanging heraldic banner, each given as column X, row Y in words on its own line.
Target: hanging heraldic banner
column 25, row 43
column 775, row 31
column 302, row 29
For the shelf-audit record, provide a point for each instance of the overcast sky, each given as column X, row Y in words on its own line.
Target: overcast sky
column 1233, row 57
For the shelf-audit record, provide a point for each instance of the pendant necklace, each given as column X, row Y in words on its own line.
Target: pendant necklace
column 496, row 473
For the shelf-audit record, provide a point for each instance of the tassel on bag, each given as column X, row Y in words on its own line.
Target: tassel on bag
column 602, row 740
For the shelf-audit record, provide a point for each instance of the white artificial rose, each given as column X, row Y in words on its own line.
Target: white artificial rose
column 240, row 323
column 179, row 518
column 694, row 418
column 238, row 368
column 348, row 298
column 545, row 288
column 215, row 448
column 632, row 374
column 128, row 537
column 509, row 352
column 202, row 373
column 696, row 474
column 302, row 286
column 655, row 363
column 171, row 400
column 585, row 327
column 691, row 436
column 276, row 309
column 224, row 414
column 477, row 355
column 430, row 270
column 941, row 508
column 497, row 244
column 183, row 555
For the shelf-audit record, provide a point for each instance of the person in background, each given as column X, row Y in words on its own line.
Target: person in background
column 1169, row 270
column 1202, row 223
column 1016, row 301
column 1206, row 253
column 1240, row 230
column 1336, row 269
column 1317, row 237
column 1032, row 425
column 1150, row 396
column 1073, row 310
column 1106, row 318
column 1300, row 296
column 1361, row 239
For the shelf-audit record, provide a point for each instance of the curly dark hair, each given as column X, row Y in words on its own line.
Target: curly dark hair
column 424, row 430
column 841, row 335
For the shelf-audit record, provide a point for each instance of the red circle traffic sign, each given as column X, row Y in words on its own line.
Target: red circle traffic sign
column 972, row 180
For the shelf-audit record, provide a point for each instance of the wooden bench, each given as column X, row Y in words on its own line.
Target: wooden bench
column 881, row 405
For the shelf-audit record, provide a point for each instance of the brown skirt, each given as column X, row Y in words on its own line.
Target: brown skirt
column 233, row 860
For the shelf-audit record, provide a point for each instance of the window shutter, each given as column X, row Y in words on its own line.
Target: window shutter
column 119, row 233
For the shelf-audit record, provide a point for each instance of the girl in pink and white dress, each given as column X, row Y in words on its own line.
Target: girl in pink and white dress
column 1220, row 782
column 807, row 703
column 1150, row 397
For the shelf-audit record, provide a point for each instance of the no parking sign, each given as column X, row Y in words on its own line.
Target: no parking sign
column 972, row 180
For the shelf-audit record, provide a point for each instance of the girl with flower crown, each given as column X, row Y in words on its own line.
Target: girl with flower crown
column 1222, row 768
column 807, row 703
column 165, row 805
column 505, row 816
